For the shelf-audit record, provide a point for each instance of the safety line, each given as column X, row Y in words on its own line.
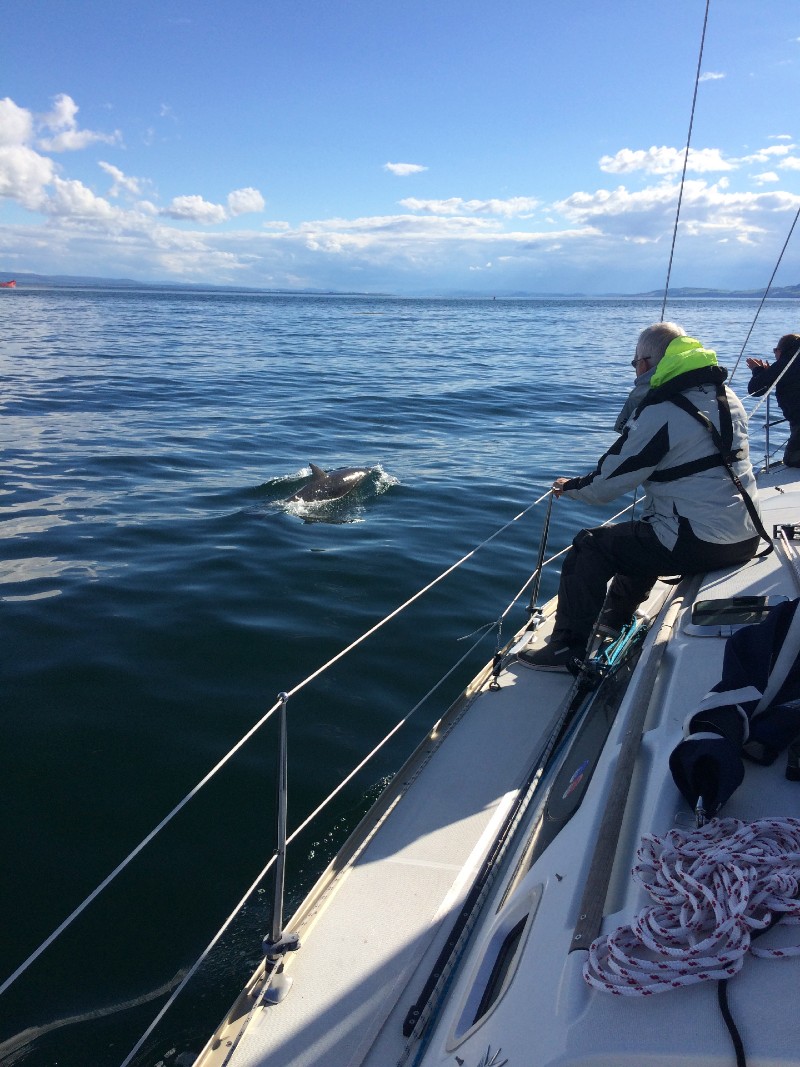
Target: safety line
column 225, row 759
column 264, row 871
column 416, row 596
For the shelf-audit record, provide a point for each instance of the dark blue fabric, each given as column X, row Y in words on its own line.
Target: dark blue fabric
column 711, row 767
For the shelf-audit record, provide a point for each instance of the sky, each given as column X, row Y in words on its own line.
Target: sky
column 403, row 146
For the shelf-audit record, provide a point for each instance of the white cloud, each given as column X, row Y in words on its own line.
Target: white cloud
column 24, row 174
column 402, row 170
column 711, row 76
column 63, row 122
column 195, row 209
column 74, row 200
column 245, row 201
column 593, row 234
column 16, row 124
column 515, row 206
column 121, row 182
column 62, row 117
column 707, row 211
column 664, row 160
column 766, row 155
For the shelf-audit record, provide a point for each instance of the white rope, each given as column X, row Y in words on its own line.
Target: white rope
column 714, row 889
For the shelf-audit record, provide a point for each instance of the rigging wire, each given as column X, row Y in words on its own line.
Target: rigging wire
column 766, row 293
column 685, row 160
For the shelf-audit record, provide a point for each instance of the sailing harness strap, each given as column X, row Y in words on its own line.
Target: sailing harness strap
column 724, row 446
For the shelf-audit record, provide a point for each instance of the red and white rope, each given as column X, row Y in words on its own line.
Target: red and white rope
column 714, row 888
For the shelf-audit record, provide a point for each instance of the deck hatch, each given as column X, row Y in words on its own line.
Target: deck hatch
column 719, row 616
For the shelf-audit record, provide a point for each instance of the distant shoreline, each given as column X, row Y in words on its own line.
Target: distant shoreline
column 65, row 281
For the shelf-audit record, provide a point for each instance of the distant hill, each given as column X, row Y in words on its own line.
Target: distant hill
column 786, row 292
column 24, row 279
column 78, row 281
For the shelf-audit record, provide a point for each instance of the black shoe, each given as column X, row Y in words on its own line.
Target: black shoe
column 567, row 658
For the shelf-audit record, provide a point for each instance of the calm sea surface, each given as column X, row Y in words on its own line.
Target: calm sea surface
column 156, row 594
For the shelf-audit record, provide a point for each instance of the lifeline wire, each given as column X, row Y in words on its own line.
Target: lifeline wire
column 254, row 729
column 310, row 818
column 295, row 833
column 685, row 161
column 774, row 384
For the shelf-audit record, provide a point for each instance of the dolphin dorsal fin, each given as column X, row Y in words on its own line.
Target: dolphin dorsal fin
column 318, row 472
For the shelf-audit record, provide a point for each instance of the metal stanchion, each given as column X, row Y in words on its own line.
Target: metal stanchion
column 277, row 944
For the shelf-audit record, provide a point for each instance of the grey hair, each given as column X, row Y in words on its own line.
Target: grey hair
column 653, row 341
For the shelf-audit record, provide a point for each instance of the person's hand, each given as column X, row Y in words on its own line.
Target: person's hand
column 753, row 363
column 558, row 486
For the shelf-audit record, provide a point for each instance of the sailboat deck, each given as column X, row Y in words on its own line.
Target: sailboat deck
column 372, row 932
column 366, row 945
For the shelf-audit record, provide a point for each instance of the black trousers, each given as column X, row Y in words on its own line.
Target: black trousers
column 791, row 456
column 631, row 557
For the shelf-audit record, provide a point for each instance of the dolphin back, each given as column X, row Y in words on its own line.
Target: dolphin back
column 331, row 485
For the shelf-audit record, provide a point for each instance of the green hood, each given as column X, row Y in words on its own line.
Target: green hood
column 682, row 355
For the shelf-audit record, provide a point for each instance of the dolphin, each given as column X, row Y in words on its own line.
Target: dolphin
column 331, row 485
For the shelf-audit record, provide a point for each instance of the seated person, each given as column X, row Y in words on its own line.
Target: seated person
column 644, row 369
column 694, row 517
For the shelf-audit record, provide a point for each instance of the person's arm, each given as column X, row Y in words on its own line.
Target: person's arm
column 631, row 460
column 763, row 375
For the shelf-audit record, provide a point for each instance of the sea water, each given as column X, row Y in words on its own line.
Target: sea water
column 156, row 593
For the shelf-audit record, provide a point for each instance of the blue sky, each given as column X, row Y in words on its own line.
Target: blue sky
column 406, row 146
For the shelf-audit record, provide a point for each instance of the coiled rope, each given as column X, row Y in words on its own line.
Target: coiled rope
column 715, row 890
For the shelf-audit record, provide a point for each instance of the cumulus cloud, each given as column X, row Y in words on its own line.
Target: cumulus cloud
column 129, row 230
column 668, row 161
column 711, row 76
column 402, row 170
column 16, row 124
column 766, row 155
column 30, row 177
column 121, row 182
column 664, row 160
column 24, row 173
column 516, row 206
column 245, row 201
column 75, row 200
column 195, row 209
column 713, row 211
column 62, row 121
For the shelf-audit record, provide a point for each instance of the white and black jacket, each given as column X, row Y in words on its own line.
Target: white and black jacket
column 668, row 453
